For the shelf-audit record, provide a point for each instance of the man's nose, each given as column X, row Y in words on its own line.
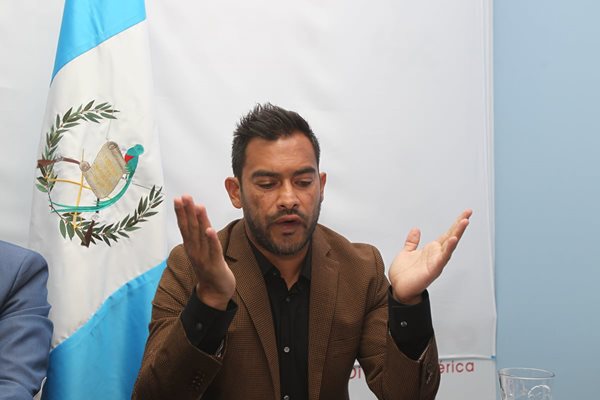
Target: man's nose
column 287, row 197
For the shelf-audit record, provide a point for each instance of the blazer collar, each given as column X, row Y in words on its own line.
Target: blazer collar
column 323, row 294
column 251, row 289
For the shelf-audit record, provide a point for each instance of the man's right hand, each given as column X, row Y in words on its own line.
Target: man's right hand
column 216, row 282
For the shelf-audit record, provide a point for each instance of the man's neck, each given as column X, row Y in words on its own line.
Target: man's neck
column 289, row 266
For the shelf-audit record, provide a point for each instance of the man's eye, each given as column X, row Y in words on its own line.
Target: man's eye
column 266, row 185
column 304, row 182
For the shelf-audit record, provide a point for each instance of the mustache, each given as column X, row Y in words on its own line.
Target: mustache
column 284, row 213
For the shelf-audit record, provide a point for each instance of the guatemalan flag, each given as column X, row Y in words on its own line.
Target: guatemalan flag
column 97, row 213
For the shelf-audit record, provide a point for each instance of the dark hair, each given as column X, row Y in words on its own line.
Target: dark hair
column 267, row 122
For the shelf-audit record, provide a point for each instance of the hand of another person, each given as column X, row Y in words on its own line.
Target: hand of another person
column 216, row 282
column 413, row 270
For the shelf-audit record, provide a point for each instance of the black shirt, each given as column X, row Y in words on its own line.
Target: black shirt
column 290, row 318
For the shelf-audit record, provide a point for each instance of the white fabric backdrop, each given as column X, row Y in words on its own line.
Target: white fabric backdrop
column 398, row 93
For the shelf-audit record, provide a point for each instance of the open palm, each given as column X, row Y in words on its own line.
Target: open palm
column 414, row 269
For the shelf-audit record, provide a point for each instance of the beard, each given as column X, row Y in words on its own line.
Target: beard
column 260, row 232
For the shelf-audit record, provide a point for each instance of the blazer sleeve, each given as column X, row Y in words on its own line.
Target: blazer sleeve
column 172, row 367
column 25, row 330
column 390, row 373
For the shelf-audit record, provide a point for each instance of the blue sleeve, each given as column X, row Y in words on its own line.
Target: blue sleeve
column 25, row 330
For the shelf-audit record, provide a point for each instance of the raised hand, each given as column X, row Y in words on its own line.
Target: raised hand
column 216, row 282
column 413, row 269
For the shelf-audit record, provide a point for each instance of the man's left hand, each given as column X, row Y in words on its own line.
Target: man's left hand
column 413, row 269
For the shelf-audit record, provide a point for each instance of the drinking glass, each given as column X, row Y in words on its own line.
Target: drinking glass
column 525, row 384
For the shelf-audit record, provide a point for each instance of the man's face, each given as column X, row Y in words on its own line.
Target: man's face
column 280, row 193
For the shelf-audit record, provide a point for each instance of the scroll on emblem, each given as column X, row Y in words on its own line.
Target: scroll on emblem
column 104, row 173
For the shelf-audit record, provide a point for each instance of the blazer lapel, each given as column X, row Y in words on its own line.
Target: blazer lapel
column 323, row 293
column 252, row 290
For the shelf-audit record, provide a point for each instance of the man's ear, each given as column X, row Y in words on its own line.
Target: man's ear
column 323, row 179
column 232, row 185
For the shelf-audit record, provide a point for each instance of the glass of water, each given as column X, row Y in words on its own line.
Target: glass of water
column 525, row 384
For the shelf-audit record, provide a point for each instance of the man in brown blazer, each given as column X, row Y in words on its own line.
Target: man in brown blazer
column 276, row 306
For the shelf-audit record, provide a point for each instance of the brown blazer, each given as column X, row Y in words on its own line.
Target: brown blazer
column 347, row 321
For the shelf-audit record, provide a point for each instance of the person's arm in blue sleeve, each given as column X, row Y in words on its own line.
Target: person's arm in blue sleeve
column 25, row 330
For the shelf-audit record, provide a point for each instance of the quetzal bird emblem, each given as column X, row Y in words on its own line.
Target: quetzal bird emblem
column 103, row 175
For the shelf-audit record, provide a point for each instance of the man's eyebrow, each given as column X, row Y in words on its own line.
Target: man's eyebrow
column 307, row 170
column 262, row 173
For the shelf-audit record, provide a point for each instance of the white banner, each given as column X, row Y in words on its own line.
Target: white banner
column 398, row 95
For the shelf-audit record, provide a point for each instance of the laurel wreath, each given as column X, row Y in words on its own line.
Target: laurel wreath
column 73, row 224
column 87, row 230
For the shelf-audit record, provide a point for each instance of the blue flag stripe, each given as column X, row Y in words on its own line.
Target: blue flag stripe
column 108, row 349
column 87, row 23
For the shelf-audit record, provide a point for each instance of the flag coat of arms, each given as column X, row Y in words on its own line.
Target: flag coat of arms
column 97, row 212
